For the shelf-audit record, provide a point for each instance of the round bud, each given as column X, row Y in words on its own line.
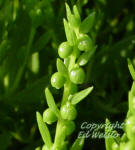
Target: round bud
column 77, row 75
column 57, row 80
column 115, row 146
column 49, row 116
column 68, row 112
column 64, row 50
column 130, row 127
column 70, row 127
column 85, row 43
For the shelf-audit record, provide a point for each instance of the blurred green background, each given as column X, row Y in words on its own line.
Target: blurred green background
column 30, row 33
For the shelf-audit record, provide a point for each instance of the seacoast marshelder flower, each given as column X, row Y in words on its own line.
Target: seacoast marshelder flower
column 75, row 52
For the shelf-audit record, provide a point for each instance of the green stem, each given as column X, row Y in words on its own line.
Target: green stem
column 21, row 70
column 66, row 93
column 58, row 135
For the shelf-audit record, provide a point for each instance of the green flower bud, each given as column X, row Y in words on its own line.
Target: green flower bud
column 130, row 127
column 49, row 116
column 77, row 75
column 70, row 127
column 58, row 80
column 68, row 112
column 64, row 50
column 85, row 43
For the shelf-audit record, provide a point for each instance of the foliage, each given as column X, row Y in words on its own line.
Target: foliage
column 30, row 34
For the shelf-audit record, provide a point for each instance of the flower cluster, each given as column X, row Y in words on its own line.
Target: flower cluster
column 74, row 54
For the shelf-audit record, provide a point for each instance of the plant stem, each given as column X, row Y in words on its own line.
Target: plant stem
column 21, row 70
column 66, row 94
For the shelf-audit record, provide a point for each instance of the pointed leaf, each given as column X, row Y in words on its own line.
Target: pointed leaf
column 131, row 69
column 88, row 23
column 76, row 13
column 131, row 99
column 85, row 57
column 78, row 144
column 51, row 102
column 68, row 12
column 73, row 20
column 61, row 66
column 109, row 140
column 81, row 95
column 70, row 34
column 44, row 130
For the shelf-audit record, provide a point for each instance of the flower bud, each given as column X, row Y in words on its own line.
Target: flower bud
column 64, row 50
column 49, row 116
column 68, row 112
column 77, row 75
column 85, row 43
column 58, row 80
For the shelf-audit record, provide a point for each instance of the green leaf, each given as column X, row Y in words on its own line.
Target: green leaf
column 85, row 57
column 78, row 144
column 44, row 130
column 74, row 20
column 131, row 97
column 131, row 69
column 76, row 13
column 81, row 95
column 61, row 66
column 110, row 141
column 51, row 102
column 68, row 12
column 70, row 34
column 88, row 23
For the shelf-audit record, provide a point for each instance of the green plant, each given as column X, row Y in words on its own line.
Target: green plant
column 30, row 34
column 68, row 76
column 126, row 142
